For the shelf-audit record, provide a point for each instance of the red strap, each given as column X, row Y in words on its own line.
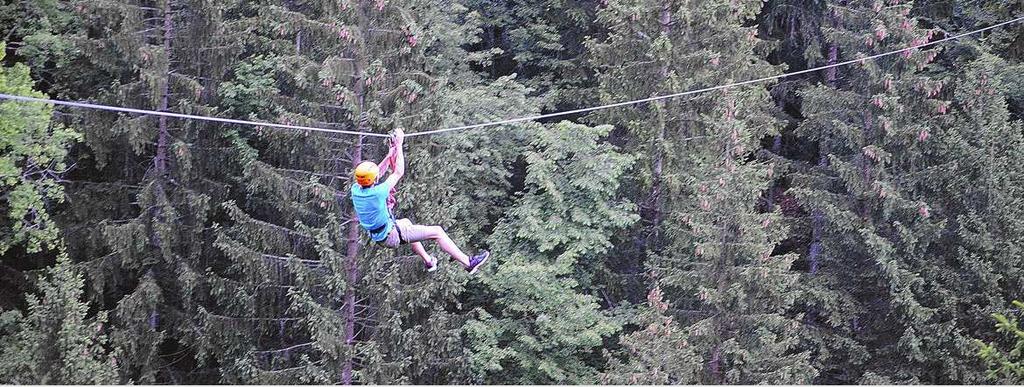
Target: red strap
column 389, row 162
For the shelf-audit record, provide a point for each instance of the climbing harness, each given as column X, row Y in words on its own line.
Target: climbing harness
column 386, row 164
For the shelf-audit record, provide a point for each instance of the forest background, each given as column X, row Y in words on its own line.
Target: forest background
column 861, row 224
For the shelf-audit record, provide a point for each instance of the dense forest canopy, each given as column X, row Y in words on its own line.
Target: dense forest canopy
column 858, row 224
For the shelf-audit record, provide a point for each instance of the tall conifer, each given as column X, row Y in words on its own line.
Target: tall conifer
column 143, row 238
column 711, row 247
column 877, row 227
column 542, row 326
column 316, row 302
column 57, row 340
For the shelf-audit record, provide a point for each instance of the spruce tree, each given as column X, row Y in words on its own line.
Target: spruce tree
column 304, row 295
column 710, row 246
column 868, row 238
column 543, row 326
column 541, row 42
column 658, row 353
column 973, row 184
column 875, row 261
column 941, row 155
column 57, row 340
column 143, row 186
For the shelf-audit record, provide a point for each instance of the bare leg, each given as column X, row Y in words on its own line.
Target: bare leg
column 437, row 233
column 418, row 248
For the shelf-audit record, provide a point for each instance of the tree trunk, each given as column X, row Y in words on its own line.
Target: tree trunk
column 352, row 254
column 817, row 218
column 160, row 159
column 352, row 269
column 657, row 167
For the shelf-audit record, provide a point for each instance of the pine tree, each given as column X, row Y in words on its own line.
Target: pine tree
column 1006, row 42
column 710, row 246
column 542, row 326
column 939, row 178
column 148, row 182
column 467, row 181
column 973, row 180
column 1005, row 367
column 542, row 42
column 877, row 225
column 658, row 353
column 57, row 342
column 305, row 297
column 866, row 239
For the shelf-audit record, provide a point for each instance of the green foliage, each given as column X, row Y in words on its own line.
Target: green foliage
column 542, row 41
column 541, row 327
column 58, row 341
column 468, row 176
column 569, row 169
column 311, row 301
column 895, row 150
column 1005, row 367
column 32, row 160
column 847, row 226
column 40, row 31
column 657, row 353
column 710, row 246
column 144, row 243
column 249, row 92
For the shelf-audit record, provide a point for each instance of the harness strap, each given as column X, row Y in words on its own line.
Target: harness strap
column 401, row 238
column 389, row 163
column 379, row 229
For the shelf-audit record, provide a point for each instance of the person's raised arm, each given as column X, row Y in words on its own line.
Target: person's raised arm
column 385, row 164
column 399, row 167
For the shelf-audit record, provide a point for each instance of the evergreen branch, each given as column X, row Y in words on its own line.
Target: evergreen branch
column 104, row 183
column 308, row 262
column 300, row 171
column 263, row 285
column 293, row 368
column 286, row 349
column 95, row 261
column 262, row 223
column 270, row 319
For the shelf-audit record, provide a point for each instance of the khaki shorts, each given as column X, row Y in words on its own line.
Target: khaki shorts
column 406, row 232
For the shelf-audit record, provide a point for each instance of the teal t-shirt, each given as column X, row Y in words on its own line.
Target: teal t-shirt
column 371, row 207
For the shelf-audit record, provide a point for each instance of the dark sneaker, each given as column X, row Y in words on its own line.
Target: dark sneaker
column 477, row 260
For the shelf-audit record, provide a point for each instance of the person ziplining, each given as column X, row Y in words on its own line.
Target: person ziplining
column 373, row 202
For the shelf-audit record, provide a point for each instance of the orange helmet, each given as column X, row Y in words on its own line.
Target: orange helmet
column 366, row 173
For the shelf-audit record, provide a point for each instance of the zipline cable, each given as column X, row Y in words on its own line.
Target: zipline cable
column 184, row 116
column 503, row 122
column 713, row 88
